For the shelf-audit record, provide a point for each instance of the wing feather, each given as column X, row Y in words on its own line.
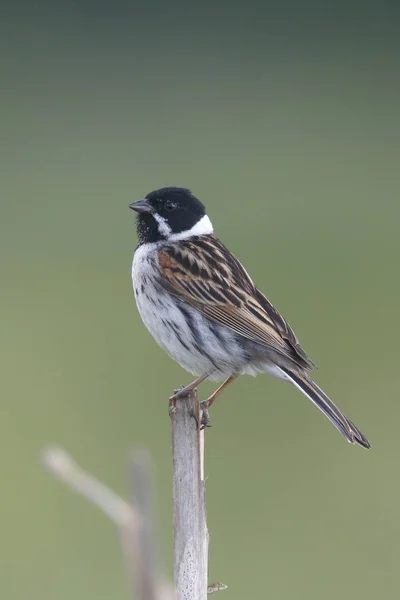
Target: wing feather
column 203, row 273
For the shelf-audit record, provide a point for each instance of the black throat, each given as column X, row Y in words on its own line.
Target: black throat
column 147, row 230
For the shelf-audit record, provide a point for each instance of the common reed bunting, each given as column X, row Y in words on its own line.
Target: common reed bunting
column 204, row 310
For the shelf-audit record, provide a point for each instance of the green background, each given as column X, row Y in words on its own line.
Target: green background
column 284, row 120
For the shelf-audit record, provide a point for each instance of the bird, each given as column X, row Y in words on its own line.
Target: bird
column 202, row 307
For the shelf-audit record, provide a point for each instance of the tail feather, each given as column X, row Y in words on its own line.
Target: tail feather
column 325, row 404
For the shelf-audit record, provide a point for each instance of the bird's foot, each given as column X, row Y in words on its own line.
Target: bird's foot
column 184, row 390
column 172, row 406
column 179, row 392
column 205, row 416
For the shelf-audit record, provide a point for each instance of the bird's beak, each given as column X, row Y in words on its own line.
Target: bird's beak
column 141, row 206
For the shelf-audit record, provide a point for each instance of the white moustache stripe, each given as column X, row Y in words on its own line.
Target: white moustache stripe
column 163, row 226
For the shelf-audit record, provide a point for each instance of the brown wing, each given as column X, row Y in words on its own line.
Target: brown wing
column 203, row 273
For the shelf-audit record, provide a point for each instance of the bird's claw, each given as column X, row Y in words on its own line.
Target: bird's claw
column 172, row 406
column 205, row 416
column 179, row 392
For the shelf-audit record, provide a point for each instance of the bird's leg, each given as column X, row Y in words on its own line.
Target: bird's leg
column 205, row 405
column 183, row 391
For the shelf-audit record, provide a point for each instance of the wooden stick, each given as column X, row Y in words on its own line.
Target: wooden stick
column 190, row 527
column 135, row 521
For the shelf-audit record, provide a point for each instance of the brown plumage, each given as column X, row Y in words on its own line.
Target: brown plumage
column 207, row 276
column 203, row 273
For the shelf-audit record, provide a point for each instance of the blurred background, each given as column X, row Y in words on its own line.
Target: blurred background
column 284, row 119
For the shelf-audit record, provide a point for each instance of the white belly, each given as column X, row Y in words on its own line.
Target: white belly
column 189, row 338
column 197, row 344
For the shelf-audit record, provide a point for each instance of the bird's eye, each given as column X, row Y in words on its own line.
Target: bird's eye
column 169, row 205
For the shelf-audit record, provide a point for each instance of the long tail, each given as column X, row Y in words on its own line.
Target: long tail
column 325, row 404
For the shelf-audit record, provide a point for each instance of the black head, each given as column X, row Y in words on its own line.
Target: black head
column 167, row 212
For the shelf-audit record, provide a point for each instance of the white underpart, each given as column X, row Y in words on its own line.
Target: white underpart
column 202, row 227
column 163, row 226
column 205, row 344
